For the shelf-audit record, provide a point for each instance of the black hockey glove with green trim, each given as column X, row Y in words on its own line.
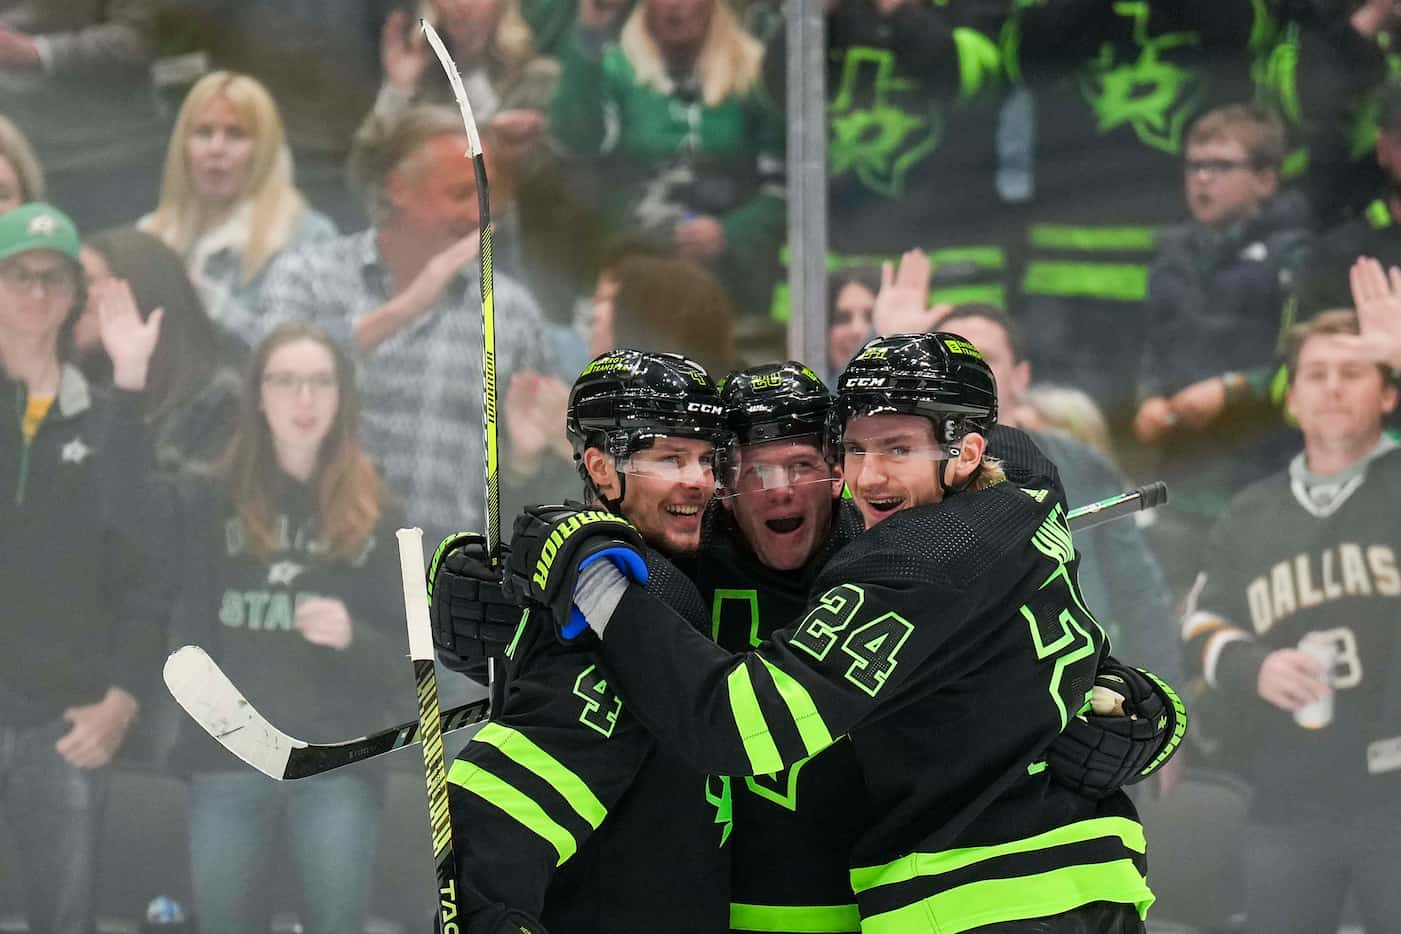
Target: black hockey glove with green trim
column 472, row 617
column 552, row 544
column 1097, row 755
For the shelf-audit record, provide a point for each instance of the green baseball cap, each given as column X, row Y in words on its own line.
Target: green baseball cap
column 37, row 226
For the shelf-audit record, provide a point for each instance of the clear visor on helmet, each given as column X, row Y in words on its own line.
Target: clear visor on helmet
column 670, row 466
column 750, row 475
column 897, row 453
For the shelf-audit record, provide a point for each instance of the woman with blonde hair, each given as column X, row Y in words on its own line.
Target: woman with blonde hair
column 21, row 176
column 692, row 144
column 228, row 205
column 289, row 578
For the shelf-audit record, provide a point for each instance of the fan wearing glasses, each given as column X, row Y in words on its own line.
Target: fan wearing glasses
column 1213, row 307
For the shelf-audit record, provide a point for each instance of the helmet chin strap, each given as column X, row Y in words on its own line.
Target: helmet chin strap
column 946, row 489
column 615, row 506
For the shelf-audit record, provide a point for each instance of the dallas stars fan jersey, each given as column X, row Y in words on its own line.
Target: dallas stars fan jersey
column 937, row 622
column 1279, row 568
column 794, row 829
column 565, row 809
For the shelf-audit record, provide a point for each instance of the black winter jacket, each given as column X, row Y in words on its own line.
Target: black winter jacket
column 82, row 606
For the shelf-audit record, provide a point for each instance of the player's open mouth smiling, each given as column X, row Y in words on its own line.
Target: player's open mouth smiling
column 684, row 511
column 885, row 503
column 784, row 525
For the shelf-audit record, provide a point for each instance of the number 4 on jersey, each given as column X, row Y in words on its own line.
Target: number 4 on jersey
column 872, row 646
column 601, row 706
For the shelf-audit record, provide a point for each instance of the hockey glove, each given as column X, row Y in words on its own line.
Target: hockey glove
column 472, row 617
column 1098, row 754
column 552, row 544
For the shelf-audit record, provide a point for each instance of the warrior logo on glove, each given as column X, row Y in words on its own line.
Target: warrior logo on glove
column 549, row 547
column 556, row 539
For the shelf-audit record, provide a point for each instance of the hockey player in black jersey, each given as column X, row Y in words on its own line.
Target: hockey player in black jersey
column 566, row 816
column 1293, row 623
column 962, row 828
column 772, row 529
column 779, row 520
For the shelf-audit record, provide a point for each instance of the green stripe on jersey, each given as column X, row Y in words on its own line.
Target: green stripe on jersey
column 806, row 717
column 998, row 900
column 994, row 295
column 495, row 791
column 1109, row 239
column 1120, row 282
column 796, row 919
column 521, row 750
column 753, row 728
column 1130, row 832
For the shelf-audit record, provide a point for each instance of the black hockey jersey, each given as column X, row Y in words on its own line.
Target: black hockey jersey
column 1280, row 567
column 794, row 829
column 937, row 622
column 565, row 809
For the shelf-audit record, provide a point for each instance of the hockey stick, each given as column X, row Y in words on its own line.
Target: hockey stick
column 429, row 722
column 491, row 439
column 1149, row 496
column 200, row 686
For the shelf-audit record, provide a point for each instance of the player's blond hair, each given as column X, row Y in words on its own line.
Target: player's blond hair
column 990, row 473
column 180, row 219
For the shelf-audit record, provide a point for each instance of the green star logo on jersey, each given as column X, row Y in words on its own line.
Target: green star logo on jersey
column 878, row 140
column 1155, row 97
column 723, row 802
column 780, row 788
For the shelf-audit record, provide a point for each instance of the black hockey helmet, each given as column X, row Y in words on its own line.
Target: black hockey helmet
column 776, row 401
column 625, row 399
column 940, row 376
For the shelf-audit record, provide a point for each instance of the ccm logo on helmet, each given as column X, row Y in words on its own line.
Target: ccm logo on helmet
column 556, row 540
column 869, row 382
column 705, row 408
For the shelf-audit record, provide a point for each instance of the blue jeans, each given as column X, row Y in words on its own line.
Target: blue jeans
column 1296, row 875
column 330, row 825
column 55, row 812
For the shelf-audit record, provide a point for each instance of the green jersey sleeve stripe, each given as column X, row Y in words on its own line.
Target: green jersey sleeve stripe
column 997, row 900
column 928, row 864
column 1112, row 239
column 495, row 791
column 521, row 750
column 753, row 728
column 795, row 919
column 1125, row 282
column 811, row 727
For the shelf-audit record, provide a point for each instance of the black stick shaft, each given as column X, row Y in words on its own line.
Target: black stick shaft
column 1148, row 496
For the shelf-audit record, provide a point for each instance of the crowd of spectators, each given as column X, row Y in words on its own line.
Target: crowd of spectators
column 238, row 366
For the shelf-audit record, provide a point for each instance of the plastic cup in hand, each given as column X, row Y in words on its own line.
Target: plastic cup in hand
column 1318, row 714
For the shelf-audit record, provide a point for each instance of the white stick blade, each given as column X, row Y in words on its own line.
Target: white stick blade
column 415, row 594
column 464, row 106
column 211, row 699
